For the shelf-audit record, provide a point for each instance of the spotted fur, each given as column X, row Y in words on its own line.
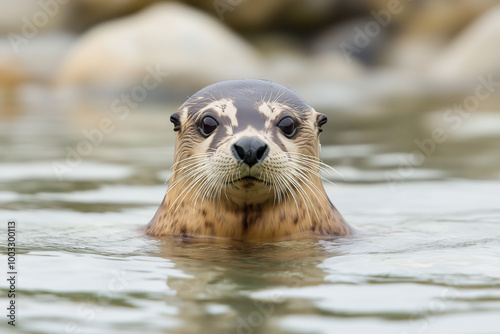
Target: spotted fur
column 211, row 193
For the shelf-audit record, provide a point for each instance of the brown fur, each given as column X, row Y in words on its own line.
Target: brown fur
column 246, row 209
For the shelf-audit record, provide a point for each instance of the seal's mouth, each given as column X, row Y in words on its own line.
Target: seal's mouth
column 247, row 179
column 248, row 182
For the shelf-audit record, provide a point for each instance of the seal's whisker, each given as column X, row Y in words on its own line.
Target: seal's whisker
column 294, row 195
column 278, row 179
column 198, row 191
column 213, row 183
column 317, row 173
column 182, row 195
column 220, row 92
column 318, row 161
column 181, row 178
column 217, row 101
column 314, row 191
column 204, row 191
column 306, row 164
column 182, row 161
column 300, row 191
column 207, row 187
column 268, row 88
column 187, row 190
column 290, row 189
column 189, row 162
column 236, row 176
column 305, row 198
column 278, row 95
column 305, row 194
column 212, row 98
column 301, row 173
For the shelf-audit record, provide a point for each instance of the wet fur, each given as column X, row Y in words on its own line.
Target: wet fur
column 204, row 196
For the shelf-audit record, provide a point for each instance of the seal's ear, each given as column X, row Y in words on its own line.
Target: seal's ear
column 321, row 120
column 176, row 120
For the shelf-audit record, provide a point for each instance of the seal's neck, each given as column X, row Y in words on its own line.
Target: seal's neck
column 249, row 215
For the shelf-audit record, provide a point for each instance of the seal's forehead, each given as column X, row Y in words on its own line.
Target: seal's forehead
column 250, row 99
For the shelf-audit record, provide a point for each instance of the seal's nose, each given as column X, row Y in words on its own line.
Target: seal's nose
column 250, row 150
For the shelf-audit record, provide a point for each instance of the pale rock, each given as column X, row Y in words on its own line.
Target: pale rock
column 12, row 77
column 288, row 63
column 194, row 48
column 360, row 40
column 41, row 57
column 244, row 14
column 90, row 12
column 30, row 17
column 474, row 52
column 432, row 25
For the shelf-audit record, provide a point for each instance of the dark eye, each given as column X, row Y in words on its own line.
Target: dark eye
column 287, row 125
column 208, row 125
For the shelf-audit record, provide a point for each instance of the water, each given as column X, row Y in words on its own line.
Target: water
column 426, row 258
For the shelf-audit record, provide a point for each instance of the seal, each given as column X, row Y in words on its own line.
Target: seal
column 247, row 167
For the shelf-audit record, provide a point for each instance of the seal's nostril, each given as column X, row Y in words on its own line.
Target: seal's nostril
column 261, row 152
column 240, row 151
column 260, row 149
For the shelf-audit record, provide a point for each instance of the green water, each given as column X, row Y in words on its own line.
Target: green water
column 426, row 258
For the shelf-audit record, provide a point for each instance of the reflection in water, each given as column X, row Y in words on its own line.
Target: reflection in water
column 223, row 275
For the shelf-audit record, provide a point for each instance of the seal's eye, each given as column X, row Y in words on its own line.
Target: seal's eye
column 287, row 126
column 208, row 125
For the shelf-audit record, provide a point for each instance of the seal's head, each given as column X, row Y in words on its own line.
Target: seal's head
column 247, row 166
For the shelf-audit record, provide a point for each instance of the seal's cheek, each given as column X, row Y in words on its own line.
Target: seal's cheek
column 287, row 145
column 218, row 138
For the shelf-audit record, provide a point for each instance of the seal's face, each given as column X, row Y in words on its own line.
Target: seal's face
column 251, row 141
column 247, row 167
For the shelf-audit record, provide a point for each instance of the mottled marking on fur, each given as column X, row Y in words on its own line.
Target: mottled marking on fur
column 207, row 194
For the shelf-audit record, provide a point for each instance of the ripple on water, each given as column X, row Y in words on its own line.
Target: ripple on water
column 84, row 171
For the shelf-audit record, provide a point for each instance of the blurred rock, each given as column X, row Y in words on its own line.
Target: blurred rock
column 262, row 15
column 90, row 12
column 289, row 63
column 34, row 66
column 309, row 14
column 334, row 67
column 29, row 17
column 243, row 14
column 295, row 70
column 360, row 40
column 445, row 18
column 474, row 52
column 192, row 47
column 12, row 76
column 276, row 44
column 41, row 57
column 380, row 5
column 425, row 29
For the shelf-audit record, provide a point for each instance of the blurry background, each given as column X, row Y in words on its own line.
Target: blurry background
column 412, row 88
